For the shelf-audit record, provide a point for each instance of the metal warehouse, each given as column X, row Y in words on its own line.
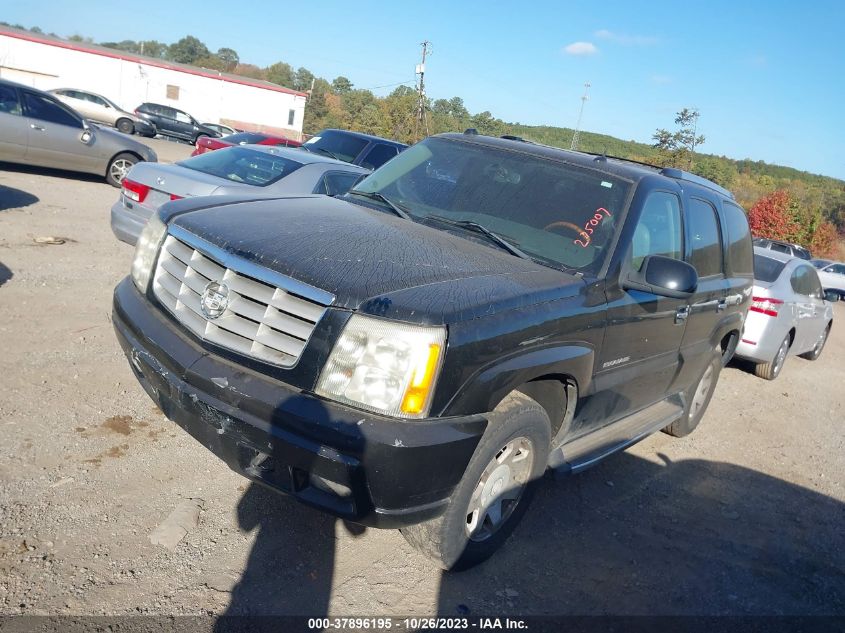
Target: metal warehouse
column 45, row 62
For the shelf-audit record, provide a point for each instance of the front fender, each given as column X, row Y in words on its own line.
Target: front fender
column 490, row 384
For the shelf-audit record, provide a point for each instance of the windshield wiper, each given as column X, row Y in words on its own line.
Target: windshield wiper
column 480, row 228
column 375, row 195
column 325, row 151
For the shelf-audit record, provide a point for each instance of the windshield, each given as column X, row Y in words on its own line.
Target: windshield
column 557, row 213
column 337, row 145
column 767, row 269
column 243, row 165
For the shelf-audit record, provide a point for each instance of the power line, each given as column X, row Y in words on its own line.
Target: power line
column 400, row 83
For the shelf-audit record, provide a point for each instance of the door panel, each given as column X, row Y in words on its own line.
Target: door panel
column 54, row 136
column 14, row 129
column 639, row 359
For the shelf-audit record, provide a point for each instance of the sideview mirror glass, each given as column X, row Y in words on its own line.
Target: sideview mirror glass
column 664, row 276
column 832, row 295
column 86, row 137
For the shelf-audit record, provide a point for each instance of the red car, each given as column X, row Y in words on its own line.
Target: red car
column 208, row 144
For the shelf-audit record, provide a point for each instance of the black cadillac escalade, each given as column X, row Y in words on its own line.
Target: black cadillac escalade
column 417, row 353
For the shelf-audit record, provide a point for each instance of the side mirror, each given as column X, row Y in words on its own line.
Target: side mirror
column 832, row 295
column 663, row 276
column 86, row 137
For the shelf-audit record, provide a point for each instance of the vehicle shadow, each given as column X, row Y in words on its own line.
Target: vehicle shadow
column 47, row 171
column 635, row 537
column 11, row 198
column 5, row 273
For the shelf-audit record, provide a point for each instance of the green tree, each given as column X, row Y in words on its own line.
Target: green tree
column 187, row 50
column 302, row 79
column 229, row 57
column 153, row 48
column 280, row 73
column 341, row 85
column 677, row 149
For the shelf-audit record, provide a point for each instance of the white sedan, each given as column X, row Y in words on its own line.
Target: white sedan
column 790, row 313
column 831, row 275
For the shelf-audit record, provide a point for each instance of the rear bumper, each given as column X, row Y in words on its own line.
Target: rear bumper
column 373, row 470
column 761, row 337
column 127, row 224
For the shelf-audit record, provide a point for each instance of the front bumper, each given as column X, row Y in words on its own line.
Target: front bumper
column 369, row 469
column 144, row 128
column 127, row 224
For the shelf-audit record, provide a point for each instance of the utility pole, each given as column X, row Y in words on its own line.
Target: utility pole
column 694, row 132
column 421, row 121
column 574, row 145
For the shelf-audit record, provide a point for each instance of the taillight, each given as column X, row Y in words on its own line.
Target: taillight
column 766, row 305
column 173, row 196
column 134, row 190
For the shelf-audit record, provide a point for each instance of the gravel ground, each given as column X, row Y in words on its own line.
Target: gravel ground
column 743, row 517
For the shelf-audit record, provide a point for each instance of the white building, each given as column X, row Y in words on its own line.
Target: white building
column 210, row 96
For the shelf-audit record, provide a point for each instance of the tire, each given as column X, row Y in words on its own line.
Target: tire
column 118, row 167
column 814, row 353
column 125, row 125
column 698, row 398
column 771, row 370
column 518, row 426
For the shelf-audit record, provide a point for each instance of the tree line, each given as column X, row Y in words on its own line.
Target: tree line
column 815, row 203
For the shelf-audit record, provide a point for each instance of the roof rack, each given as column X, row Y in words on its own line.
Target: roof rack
column 511, row 137
column 680, row 174
column 604, row 156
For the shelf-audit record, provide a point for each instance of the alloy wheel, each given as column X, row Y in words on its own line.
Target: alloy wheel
column 699, row 399
column 120, row 168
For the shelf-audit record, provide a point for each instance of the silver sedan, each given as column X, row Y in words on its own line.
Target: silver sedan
column 37, row 129
column 243, row 170
column 790, row 313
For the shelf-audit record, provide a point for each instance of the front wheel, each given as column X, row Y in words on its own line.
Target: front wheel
column 698, row 398
column 125, row 126
column 814, row 353
column 119, row 167
column 495, row 490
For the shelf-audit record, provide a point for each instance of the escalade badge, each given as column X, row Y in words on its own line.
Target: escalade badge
column 215, row 299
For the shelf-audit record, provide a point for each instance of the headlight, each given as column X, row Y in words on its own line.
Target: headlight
column 384, row 366
column 146, row 250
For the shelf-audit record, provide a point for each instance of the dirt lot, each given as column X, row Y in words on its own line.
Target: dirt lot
column 745, row 516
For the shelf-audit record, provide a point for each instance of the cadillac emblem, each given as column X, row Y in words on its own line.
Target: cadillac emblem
column 215, row 299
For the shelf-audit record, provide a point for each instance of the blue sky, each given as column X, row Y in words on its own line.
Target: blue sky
column 767, row 77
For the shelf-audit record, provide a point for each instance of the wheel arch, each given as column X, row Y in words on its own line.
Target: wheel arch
column 116, row 154
column 549, row 375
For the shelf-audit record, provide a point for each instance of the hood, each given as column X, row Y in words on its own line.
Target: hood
column 378, row 262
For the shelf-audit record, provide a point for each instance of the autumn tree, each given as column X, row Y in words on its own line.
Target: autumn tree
column 773, row 216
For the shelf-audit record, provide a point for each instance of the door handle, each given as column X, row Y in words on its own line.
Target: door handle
column 721, row 305
column 681, row 314
column 36, row 127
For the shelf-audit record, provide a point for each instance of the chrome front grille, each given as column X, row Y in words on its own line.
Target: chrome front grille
column 270, row 319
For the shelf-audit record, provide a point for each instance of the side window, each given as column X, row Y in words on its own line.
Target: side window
column 738, row 240
column 182, row 117
column 379, row 155
column 336, row 183
column 797, row 281
column 703, row 235
column 813, row 283
column 96, row 100
column 781, row 248
column 9, row 102
column 658, row 231
column 839, row 269
column 44, row 109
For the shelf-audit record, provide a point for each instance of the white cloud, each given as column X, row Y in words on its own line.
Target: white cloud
column 580, row 48
column 625, row 40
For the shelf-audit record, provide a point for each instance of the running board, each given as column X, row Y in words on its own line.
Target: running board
column 589, row 449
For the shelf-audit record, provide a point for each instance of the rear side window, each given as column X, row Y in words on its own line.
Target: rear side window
column 704, row 241
column 379, row 155
column 44, row 109
column 9, row 103
column 658, row 231
column 781, row 248
column 767, row 269
column 338, row 145
column 738, row 240
column 805, row 281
